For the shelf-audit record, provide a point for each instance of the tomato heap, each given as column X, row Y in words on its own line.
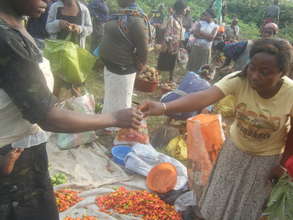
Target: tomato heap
column 137, row 203
column 82, row 218
column 66, row 198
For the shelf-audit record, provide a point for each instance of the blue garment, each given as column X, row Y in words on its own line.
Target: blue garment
column 99, row 10
column 234, row 50
column 191, row 83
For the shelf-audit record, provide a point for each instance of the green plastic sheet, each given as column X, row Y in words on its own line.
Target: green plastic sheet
column 68, row 61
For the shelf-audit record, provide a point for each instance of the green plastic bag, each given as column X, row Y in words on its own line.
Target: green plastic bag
column 68, row 61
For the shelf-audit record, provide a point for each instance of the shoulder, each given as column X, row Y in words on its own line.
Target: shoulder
column 12, row 43
column 83, row 7
column 214, row 25
column 288, row 83
column 231, row 84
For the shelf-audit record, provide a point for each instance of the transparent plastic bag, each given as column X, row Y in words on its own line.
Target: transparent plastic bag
column 82, row 104
column 130, row 136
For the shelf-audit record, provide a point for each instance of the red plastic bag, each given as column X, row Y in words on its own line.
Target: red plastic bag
column 204, row 141
column 130, row 136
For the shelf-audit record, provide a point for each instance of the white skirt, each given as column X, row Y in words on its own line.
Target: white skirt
column 118, row 91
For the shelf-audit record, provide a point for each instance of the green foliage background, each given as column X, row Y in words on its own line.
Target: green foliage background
column 249, row 12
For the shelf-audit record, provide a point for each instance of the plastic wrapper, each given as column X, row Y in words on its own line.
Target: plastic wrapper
column 68, row 61
column 185, row 200
column 177, row 148
column 130, row 136
column 82, row 104
column 204, row 141
column 144, row 157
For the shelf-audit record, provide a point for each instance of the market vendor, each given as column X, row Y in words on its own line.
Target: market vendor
column 256, row 149
column 69, row 20
column 26, row 107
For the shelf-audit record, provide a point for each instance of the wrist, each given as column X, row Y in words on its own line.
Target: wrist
column 112, row 120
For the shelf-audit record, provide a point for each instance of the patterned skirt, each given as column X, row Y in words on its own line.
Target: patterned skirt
column 239, row 185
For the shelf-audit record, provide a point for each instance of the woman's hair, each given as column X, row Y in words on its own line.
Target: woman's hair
column 281, row 49
column 179, row 6
column 211, row 12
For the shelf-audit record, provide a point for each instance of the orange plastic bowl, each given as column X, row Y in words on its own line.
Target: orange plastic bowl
column 162, row 178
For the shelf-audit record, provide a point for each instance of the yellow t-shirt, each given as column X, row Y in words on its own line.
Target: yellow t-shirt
column 261, row 125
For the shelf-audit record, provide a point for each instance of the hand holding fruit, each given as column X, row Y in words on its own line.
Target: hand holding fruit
column 64, row 24
column 127, row 118
column 75, row 28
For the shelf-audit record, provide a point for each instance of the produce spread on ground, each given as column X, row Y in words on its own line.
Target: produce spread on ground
column 137, row 203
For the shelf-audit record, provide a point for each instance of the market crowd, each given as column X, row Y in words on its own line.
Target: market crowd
column 260, row 140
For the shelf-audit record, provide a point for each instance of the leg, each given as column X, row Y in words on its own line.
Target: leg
column 171, row 75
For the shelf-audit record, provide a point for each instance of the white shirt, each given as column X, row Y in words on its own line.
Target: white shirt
column 207, row 28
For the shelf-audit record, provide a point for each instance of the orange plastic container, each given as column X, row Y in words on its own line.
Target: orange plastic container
column 162, row 178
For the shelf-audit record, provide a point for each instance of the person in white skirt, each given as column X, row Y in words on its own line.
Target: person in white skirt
column 124, row 52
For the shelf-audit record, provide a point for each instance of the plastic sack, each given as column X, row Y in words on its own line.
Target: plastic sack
column 191, row 82
column 280, row 203
column 183, row 201
column 130, row 136
column 177, row 148
column 68, row 61
column 144, row 157
column 204, row 141
column 226, row 106
column 82, row 104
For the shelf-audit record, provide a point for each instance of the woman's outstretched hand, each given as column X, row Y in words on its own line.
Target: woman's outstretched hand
column 150, row 108
column 127, row 118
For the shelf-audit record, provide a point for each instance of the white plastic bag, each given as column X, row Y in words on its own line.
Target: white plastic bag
column 82, row 104
column 144, row 157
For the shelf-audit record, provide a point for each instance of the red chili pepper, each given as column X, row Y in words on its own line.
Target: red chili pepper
column 137, row 203
column 66, row 198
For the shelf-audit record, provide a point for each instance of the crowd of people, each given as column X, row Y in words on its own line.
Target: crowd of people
column 260, row 140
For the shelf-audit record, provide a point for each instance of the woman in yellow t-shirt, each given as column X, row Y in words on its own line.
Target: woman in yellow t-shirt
column 259, row 142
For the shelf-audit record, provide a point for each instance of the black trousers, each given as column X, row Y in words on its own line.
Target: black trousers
column 27, row 193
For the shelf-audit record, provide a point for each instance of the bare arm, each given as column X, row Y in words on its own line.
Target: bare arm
column 7, row 162
column 192, row 102
column 278, row 171
column 59, row 120
column 289, row 145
